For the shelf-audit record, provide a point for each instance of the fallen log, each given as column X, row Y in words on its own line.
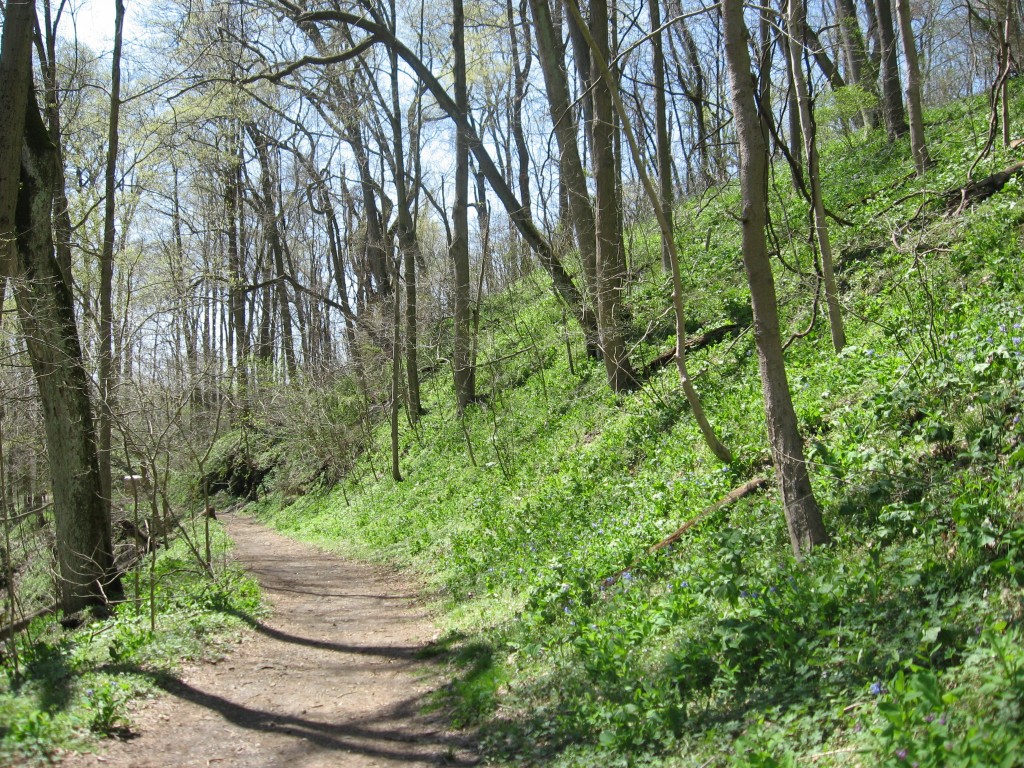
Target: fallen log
column 958, row 198
column 732, row 497
column 12, row 629
column 693, row 344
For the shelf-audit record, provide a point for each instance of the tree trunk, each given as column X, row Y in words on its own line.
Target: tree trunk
column 46, row 311
column 570, row 164
column 408, row 244
column 611, row 263
column 858, row 68
column 465, row 375
column 236, row 277
column 918, row 148
column 272, row 232
column 561, row 282
column 661, row 127
column 106, row 356
column 15, row 84
column 803, row 518
column 668, row 243
column 798, row 21
column 892, row 100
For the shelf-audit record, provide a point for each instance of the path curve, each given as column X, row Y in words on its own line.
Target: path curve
column 331, row 678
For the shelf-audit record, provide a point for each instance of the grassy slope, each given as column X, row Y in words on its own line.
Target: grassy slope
column 900, row 644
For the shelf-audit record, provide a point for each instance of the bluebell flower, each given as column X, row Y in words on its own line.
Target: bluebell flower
column 876, row 689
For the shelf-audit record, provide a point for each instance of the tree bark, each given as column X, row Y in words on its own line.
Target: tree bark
column 561, row 282
column 668, row 242
column 570, row 164
column 46, row 311
column 893, row 114
column 15, row 84
column 106, row 356
column 661, row 127
column 408, row 244
column 611, row 263
column 918, row 148
column 803, row 518
column 462, row 364
column 798, row 21
column 272, row 232
column 858, row 68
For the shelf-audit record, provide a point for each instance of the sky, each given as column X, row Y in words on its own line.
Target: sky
column 93, row 21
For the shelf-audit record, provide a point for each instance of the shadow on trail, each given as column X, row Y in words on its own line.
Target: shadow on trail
column 380, row 736
column 401, row 652
column 321, row 593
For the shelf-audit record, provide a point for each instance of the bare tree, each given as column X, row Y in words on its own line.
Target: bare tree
column 803, row 518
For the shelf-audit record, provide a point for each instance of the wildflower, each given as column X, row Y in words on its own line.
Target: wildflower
column 876, row 689
column 901, row 754
column 627, row 576
column 684, row 585
column 1002, row 327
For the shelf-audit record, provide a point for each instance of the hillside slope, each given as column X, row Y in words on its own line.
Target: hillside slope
column 532, row 515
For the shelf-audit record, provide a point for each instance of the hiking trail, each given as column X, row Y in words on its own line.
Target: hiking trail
column 331, row 677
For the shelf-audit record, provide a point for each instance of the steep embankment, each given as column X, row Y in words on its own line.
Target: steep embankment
column 532, row 514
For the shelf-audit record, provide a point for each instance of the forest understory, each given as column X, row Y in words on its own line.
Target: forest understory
column 704, row 442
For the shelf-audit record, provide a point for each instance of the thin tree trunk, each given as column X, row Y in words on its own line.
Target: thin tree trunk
column 798, row 21
column 408, row 243
column 236, row 294
column 561, row 282
column 892, row 100
column 803, row 518
column 668, row 242
column 610, row 249
column 465, row 375
column 106, row 356
column 661, row 128
column 918, row 148
column 570, row 164
column 858, row 68
column 272, row 232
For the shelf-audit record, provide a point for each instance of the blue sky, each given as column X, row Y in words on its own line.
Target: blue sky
column 94, row 22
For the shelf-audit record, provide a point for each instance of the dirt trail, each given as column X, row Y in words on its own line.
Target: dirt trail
column 330, row 679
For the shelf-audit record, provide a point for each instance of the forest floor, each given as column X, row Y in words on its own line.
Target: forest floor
column 332, row 677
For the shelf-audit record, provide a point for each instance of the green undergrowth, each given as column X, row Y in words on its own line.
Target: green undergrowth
column 67, row 688
column 531, row 515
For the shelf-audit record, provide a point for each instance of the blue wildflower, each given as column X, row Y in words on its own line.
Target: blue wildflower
column 876, row 689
